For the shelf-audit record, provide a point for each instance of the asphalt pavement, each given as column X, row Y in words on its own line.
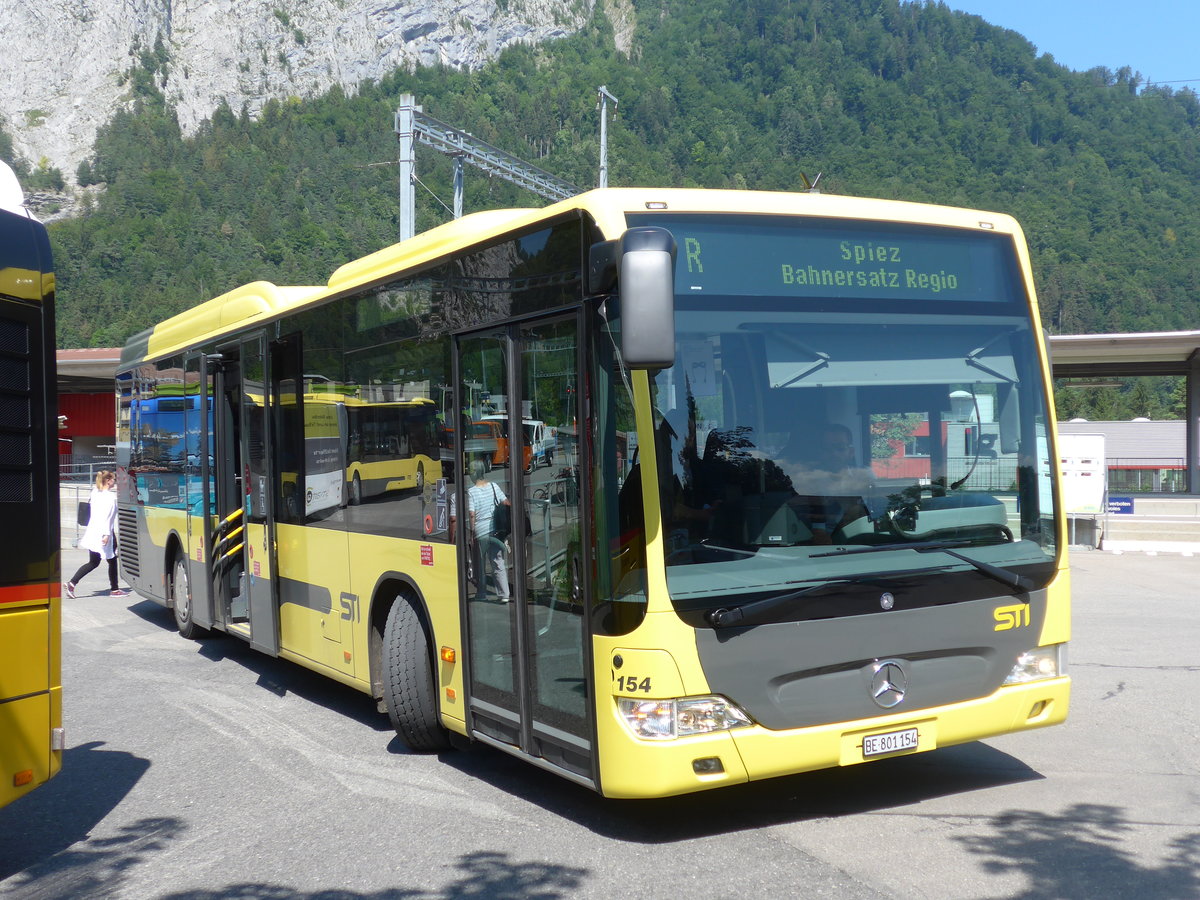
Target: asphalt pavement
column 204, row 770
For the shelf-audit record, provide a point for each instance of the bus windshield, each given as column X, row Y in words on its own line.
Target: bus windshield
column 851, row 403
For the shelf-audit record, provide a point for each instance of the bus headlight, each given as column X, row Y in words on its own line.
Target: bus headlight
column 1039, row 663
column 664, row 720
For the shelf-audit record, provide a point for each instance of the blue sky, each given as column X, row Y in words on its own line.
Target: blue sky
column 1159, row 38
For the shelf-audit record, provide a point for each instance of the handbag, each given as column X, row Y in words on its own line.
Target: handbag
column 83, row 515
column 501, row 518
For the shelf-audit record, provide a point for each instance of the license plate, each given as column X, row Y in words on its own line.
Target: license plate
column 889, row 742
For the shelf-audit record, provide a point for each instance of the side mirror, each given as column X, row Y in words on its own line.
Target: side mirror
column 646, row 281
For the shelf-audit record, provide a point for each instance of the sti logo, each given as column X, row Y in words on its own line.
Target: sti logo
column 1010, row 617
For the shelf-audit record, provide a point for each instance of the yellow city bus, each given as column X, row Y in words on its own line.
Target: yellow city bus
column 31, row 735
column 804, row 511
column 393, row 446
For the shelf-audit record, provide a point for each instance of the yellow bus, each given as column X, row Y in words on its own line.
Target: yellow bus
column 31, row 734
column 393, row 446
column 770, row 547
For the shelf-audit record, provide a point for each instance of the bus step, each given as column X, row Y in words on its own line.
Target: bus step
column 237, row 603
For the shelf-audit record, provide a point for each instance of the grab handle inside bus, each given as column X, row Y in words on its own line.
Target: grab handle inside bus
column 646, row 282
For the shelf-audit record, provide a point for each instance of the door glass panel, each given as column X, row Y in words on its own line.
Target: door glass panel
column 483, row 368
column 196, row 436
column 287, row 430
column 553, row 583
column 253, row 412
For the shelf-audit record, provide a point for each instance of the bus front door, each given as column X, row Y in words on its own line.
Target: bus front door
column 523, row 586
column 243, row 545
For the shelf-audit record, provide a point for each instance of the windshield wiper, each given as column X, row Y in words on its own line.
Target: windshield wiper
column 724, row 616
column 1018, row 583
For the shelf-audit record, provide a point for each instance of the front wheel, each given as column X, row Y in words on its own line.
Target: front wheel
column 181, row 600
column 408, row 686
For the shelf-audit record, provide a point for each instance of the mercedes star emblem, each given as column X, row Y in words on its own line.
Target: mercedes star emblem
column 888, row 683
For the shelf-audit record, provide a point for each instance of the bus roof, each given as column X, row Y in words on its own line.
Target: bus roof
column 239, row 307
column 608, row 207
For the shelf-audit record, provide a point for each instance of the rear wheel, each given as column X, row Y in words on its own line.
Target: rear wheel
column 408, row 685
column 181, row 599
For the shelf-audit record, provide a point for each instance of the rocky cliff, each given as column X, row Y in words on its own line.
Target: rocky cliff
column 65, row 59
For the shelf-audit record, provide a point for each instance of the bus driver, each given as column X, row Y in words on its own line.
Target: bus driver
column 828, row 486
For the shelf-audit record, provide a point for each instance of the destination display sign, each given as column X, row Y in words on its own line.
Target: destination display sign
column 836, row 259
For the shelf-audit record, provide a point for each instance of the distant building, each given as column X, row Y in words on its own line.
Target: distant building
column 1143, row 456
column 87, row 430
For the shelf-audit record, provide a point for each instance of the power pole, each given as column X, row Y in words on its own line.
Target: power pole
column 602, row 98
column 408, row 165
column 412, row 124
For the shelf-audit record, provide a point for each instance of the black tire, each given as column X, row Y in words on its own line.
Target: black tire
column 181, row 600
column 355, row 490
column 408, row 687
column 420, row 483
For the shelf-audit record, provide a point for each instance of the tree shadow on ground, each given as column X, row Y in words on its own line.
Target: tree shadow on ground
column 46, row 834
column 1080, row 854
column 482, row 874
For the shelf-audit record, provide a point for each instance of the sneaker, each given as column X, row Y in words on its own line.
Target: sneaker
column 119, row 592
column 71, row 589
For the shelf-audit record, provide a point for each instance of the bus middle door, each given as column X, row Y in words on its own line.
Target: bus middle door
column 244, row 547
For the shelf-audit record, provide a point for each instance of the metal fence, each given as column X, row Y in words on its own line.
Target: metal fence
column 1147, row 475
column 77, row 477
column 82, row 469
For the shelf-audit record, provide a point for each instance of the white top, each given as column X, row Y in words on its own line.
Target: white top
column 103, row 522
column 482, row 500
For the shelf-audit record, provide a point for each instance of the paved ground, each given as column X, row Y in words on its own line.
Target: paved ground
column 205, row 770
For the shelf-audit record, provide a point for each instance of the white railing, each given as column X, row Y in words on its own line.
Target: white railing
column 76, row 469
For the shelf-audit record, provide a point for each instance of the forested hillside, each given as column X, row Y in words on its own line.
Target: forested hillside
column 901, row 100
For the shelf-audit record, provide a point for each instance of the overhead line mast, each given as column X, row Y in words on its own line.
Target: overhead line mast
column 602, row 97
column 413, row 124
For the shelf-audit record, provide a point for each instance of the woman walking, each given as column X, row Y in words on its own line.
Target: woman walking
column 99, row 538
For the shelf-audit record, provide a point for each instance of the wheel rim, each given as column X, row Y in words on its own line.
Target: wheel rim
column 356, row 490
column 181, row 595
